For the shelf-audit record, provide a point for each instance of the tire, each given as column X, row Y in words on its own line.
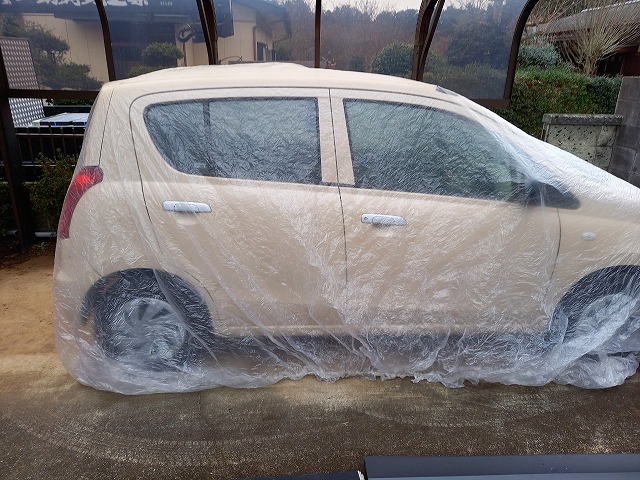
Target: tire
column 149, row 320
column 591, row 303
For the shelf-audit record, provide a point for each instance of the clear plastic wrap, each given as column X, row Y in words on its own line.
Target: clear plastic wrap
column 241, row 225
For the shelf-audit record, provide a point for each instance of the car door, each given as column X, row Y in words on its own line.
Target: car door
column 240, row 188
column 440, row 235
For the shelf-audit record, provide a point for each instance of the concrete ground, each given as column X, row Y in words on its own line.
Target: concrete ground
column 53, row 427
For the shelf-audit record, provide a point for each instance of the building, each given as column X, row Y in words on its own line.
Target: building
column 247, row 29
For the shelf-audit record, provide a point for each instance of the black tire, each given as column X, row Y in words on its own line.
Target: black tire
column 577, row 313
column 148, row 319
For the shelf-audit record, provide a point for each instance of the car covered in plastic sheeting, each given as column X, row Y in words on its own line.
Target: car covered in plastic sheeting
column 238, row 225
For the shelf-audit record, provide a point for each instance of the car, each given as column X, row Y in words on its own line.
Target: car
column 236, row 225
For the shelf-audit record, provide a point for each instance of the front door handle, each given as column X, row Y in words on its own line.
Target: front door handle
column 385, row 220
column 185, row 207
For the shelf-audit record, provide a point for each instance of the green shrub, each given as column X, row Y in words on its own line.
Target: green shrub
column 6, row 212
column 141, row 70
column 69, row 101
column 542, row 56
column 47, row 193
column 604, row 91
column 158, row 54
column 558, row 90
column 394, row 59
column 473, row 81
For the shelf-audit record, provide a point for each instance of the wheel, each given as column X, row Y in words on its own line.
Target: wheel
column 148, row 319
column 606, row 302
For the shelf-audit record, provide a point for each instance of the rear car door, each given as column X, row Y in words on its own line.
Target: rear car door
column 240, row 187
column 439, row 234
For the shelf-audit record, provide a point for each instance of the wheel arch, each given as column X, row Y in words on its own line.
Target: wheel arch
column 597, row 283
column 598, row 276
column 174, row 287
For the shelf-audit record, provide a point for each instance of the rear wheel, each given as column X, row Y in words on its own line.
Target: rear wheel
column 148, row 319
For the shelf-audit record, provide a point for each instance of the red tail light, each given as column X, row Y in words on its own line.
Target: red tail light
column 86, row 178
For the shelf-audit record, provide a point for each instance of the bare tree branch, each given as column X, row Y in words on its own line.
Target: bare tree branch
column 598, row 30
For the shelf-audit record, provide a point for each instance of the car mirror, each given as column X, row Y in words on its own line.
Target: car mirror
column 535, row 192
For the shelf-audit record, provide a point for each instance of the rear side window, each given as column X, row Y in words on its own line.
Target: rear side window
column 411, row 148
column 272, row 139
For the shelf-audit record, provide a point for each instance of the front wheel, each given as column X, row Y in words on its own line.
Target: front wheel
column 603, row 307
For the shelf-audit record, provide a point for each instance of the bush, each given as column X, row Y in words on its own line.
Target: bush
column 394, row 59
column 6, row 212
column 558, row 90
column 47, row 193
column 141, row 70
column 473, row 81
column 543, row 56
column 161, row 54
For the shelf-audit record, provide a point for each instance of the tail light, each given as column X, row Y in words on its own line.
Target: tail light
column 86, row 178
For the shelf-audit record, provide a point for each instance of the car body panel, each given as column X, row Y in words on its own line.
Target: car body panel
column 249, row 249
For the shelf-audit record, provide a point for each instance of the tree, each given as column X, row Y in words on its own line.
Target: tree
column 301, row 45
column 49, row 54
column 597, row 30
column 161, row 54
column 394, row 59
column 156, row 56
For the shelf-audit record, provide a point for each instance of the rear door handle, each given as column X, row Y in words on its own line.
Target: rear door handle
column 388, row 220
column 185, row 207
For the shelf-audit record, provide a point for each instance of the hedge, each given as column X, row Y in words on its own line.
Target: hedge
column 558, row 90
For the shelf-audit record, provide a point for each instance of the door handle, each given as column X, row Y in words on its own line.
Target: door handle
column 185, row 207
column 385, row 220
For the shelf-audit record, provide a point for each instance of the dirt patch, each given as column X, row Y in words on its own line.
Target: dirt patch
column 26, row 301
column 10, row 253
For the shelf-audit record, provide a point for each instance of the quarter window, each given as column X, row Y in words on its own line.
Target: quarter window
column 248, row 138
column 411, row 148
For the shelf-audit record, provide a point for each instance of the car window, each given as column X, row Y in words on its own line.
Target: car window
column 273, row 139
column 411, row 148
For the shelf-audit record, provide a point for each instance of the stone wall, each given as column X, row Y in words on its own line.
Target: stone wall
column 625, row 162
column 590, row 137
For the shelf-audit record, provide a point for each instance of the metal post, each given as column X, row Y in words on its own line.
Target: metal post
column 428, row 18
column 12, row 160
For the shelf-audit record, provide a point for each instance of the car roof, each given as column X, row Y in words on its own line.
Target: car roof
column 270, row 75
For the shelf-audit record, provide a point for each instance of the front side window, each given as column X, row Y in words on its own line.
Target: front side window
column 269, row 139
column 411, row 148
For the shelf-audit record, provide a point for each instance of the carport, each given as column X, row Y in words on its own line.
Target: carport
column 108, row 36
column 54, row 427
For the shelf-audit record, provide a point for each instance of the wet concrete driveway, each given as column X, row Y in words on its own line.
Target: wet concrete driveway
column 52, row 427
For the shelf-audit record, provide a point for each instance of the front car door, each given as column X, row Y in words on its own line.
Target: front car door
column 240, row 187
column 439, row 234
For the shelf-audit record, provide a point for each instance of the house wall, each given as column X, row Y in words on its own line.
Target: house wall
column 242, row 43
column 84, row 38
column 86, row 41
column 625, row 162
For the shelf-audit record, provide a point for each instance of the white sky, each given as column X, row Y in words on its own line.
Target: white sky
column 382, row 4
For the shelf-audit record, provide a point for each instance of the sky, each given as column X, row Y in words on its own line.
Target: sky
column 382, row 4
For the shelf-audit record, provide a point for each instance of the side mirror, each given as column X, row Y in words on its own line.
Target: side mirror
column 539, row 193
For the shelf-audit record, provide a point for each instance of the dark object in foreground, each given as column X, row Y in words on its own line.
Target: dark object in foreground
column 315, row 476
column 512, row 467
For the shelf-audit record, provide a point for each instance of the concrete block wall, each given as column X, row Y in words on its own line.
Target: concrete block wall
column 590, row 137
column 625, row 162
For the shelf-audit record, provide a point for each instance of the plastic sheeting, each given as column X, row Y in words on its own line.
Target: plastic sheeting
column 257, row 223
